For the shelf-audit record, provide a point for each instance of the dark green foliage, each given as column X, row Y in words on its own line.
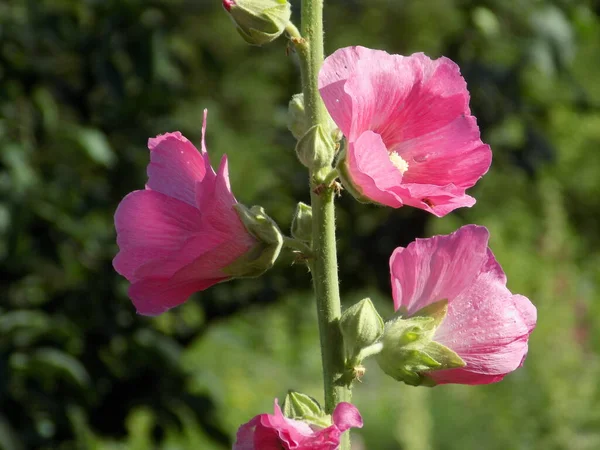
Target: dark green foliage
column 84, row 83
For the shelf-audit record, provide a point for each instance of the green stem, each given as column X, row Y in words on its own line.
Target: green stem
column 323, row 265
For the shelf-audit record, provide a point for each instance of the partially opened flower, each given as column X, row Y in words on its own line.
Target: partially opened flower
column 277, row 432
column 451, row 291
column 411, row 138
column 184, row 232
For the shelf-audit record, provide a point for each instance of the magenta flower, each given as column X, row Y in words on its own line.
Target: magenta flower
column 486, row 325
column 178, row 235
column 277, row 432
column 411, row 138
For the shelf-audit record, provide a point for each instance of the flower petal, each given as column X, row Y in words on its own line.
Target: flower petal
column 151, row 226
column 372, row 171
column 453, row 154
column 332, row 78
column 438, row 268
column 175, row 167
column 346, row 416
column 153, row 296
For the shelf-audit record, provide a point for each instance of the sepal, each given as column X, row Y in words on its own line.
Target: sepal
column 409, row 351
column 299, row 406
column 264, row 253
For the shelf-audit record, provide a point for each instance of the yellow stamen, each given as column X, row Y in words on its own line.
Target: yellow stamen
column 398, row 162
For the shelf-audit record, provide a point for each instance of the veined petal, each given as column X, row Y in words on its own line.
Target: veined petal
column 175, row 167
column 151, row 226
column 438, row 268
column 452, row 154
column 153, row 296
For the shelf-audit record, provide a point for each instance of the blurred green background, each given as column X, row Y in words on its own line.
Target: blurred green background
column 83, row 84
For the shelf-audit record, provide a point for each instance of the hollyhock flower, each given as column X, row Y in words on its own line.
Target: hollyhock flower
column 411, row 138
column 183, row 232
column 277, row 432
column 482, row 322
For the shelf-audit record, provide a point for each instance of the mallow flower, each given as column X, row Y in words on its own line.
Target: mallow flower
column 456, row 320
column 411, row 138
column 277, row 432
column 185, row 231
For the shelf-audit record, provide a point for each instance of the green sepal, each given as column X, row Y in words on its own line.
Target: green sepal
column 302, row 223
column 409, row 351
column 303, row 407
column 315, row 149
column 264, row 253
column 361, row 326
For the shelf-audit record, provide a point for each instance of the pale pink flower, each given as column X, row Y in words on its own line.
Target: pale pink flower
column 411, row 138
column 486, row 325
column 176, row 236
column 277, row 432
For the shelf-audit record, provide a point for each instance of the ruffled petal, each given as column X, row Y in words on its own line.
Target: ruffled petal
column 150, row 227
column 438, row 268
column 438, row 200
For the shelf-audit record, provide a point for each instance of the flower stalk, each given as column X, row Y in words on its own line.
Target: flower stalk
column 324, row 262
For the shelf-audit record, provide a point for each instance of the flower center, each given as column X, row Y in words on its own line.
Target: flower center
column 398, row 162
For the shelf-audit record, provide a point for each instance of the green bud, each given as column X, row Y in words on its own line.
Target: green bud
column 299, row 124
column 315, row 149
column 263, row 255
column 409, row 351
column 302, row 223
column 297, row 121
column 361, row 326
column 259, row 21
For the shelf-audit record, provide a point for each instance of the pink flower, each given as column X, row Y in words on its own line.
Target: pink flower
column 178, row 235
column 277, row 432
column 486, row 325
column 411, row 137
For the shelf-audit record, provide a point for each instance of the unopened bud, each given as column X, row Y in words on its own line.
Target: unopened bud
column 259, row 21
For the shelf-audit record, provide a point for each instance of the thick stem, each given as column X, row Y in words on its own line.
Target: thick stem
column 324, row 262
column 326, row 284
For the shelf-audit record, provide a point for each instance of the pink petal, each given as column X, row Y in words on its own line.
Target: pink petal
column 153, row 296
column 372, row 171
column 438, row 200
column 438, row 268
column 245, row 437
column 150, row 226
column 217, row 204
column 175, row 167
column 346, row 416
column 452, row 154
column 332, row 78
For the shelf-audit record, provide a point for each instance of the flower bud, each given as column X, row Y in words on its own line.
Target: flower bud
column 259, row 21
column 409, row 351
column 302, row 223
column 361, row 326
column 299, row 124
column 315, row 149
column 263, row 254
